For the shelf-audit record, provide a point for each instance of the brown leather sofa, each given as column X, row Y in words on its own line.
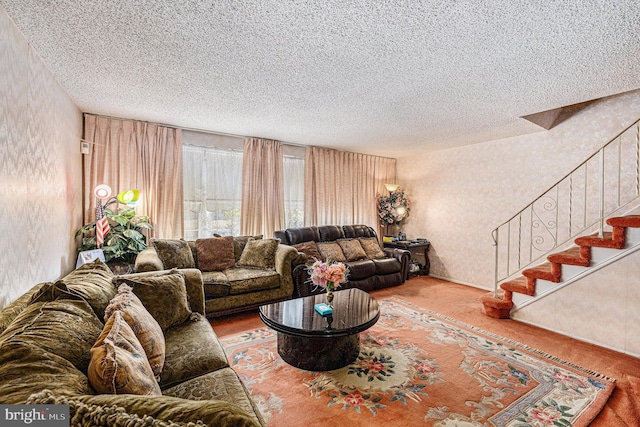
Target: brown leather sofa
column 390, row 269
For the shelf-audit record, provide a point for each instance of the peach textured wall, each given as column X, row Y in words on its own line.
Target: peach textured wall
column 40, row 169
column 460, row 195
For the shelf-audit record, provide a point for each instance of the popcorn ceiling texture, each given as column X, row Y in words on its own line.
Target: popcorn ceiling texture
column 460, row 195
column 363, row 76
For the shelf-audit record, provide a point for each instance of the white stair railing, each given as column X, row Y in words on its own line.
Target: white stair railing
column 600, row 187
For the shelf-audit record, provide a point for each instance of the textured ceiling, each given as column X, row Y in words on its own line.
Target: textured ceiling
column 378, row 77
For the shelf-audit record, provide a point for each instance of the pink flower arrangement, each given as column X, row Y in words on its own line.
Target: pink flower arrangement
column 394, row 208
column 328, row 275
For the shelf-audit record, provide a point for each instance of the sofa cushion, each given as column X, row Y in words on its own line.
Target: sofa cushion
column 310, row 249
column 25, row 369
column 151, row 411
column 193, row 350
column 246, row 280
column 301, row 234
column 164, row 295
column 361, row 269
column 10, row 312
column 330, row 233
column 145, row 327
column 372, row 247
column 215, row 284
column 222, row 384
column 352, row 249
column 239, row 242
column 215, row 253
column 331, row 251
column 174, row 253
column 387, row 266
column 259, row 254
column 118, row 362
column 358, row 230
column 66, row 328
column 92, row 282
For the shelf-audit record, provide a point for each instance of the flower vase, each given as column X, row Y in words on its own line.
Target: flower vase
column 329, row 294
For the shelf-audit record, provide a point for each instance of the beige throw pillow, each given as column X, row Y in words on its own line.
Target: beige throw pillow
column 215, row 253
column 331, row 251
column 372, row 247
column 352, row 249
column 164, row 295
column 260, row 254
column 174, row 253
column 118, row 362
column 239, row 242
column 145, row 327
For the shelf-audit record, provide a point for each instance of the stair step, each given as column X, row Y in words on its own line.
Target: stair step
column 577, row 255
column 521, row 285
column 551, row 272
column 606, row 241
column 625, row 221
column 498, row 308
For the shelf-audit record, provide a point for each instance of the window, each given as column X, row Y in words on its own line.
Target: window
column 212, row 191
column 293, row 175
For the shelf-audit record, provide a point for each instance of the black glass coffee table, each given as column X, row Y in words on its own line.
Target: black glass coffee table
column 309, row 341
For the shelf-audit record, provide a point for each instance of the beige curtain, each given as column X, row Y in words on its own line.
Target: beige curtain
column 340, row 187
column 128, row 154
column 262, row 209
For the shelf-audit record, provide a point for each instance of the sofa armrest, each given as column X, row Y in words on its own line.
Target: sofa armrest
column 192, row 281
column 404, row 258
column 302, row 283
column 284, row 256
column 148, row 260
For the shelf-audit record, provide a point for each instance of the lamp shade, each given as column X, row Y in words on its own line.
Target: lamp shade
column 391, row 187
column 128, row 196
column 102, row 191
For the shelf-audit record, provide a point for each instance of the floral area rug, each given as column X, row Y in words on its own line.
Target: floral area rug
column 417, row 367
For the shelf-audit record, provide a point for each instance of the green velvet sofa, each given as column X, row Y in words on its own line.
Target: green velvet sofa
column 239, row 273
column 48, row 337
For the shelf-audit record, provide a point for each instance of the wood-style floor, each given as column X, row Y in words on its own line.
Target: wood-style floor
column 463, row 303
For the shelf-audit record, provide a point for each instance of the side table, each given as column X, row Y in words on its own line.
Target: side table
column 419, row 249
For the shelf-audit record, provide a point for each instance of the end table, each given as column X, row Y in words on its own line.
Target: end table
column 418, row 249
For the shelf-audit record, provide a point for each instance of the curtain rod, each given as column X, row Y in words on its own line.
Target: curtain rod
column 222, row 133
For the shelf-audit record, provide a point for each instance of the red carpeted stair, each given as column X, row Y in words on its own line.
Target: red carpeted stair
column 551, row 271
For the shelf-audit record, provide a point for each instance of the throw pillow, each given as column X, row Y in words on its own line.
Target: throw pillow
column 174, row 253
column 118, row 363
column 91, row 282
column 145, row 327
column 352, row 249
column 260, row 254
column 164, row 295
column 215, row 253
column 372, row 247
column 331, row 251
column 239, row 242
column 310, row 249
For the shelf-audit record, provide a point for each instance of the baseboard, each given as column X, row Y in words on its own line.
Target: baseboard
column 588, row 341
column 448, row 279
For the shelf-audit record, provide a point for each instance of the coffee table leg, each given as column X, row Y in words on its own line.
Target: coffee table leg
column 318, row 354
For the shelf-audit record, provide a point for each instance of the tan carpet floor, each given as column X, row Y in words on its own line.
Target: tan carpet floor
column 463, row 303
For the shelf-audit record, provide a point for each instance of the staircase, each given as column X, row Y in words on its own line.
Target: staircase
column 560, row 236
column 553, row 271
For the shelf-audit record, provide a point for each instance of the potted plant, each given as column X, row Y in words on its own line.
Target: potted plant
column 124, row 241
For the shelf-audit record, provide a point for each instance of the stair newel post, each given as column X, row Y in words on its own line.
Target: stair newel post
column 601, row 231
